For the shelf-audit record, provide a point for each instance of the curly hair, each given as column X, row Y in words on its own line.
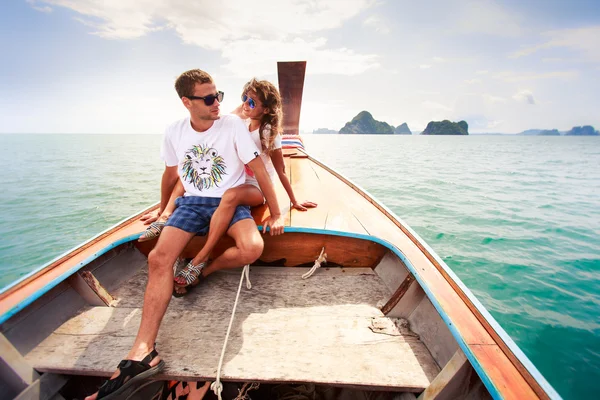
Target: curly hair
column 270, row 122
column 184, row 85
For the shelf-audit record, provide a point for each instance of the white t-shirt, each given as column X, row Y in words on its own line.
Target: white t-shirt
column 264, row 155
column 209, row 162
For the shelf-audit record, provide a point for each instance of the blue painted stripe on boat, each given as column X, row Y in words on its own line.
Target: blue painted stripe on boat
column 484, row 312
column 56, row 281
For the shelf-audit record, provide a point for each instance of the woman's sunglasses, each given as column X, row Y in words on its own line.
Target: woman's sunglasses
column 210, row 99
column 251, row 102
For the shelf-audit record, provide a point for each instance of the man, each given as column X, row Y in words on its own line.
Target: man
column 209, row 153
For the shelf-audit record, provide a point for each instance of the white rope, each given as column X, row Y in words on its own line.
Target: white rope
column 321, row 259
column 217, row 386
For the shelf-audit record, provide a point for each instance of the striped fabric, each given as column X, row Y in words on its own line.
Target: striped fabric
column 291, row 141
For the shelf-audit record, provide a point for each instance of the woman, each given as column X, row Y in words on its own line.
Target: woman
column 261, row 108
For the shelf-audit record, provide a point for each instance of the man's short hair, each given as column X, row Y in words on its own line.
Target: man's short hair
column 184, row 85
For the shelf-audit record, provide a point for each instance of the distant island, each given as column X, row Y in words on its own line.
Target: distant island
column 402, row 129
column 365, row 124
column 446, row 127
column 586, row 130
column 324, row 131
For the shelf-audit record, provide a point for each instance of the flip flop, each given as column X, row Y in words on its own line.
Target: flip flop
column 153, row 231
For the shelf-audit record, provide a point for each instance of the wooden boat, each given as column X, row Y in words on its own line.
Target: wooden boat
column 384, row 314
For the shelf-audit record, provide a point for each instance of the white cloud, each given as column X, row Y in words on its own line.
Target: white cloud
column 582, row 40
column 425, row 66
column 482, row 72
column 511, row 76
column 44, row 9
column 273, row 25
column 438, row 59
column 259, row 56
column 473, row 81
column 377, row 23
column 524, row 96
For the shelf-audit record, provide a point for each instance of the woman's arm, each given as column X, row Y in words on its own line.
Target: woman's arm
column 277, row 159
column 238, row 111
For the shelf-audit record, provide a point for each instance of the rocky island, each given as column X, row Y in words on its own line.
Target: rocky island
column 446, row 127
column 586, row 130
column 364, row 123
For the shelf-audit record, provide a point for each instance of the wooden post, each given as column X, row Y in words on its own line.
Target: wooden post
column 291, row 85
column 14, row 370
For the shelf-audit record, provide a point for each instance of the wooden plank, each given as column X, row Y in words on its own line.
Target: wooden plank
column 400, row 292
column 45, row 388
column 286, row 330
column 452, row 382
column 505, row 377
column 331, row 213
column 86, row 284
column 300, row 248
column 276, row 287
column 306, row 185
column 14, row 369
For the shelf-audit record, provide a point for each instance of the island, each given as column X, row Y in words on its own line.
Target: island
column 324, row 131
column 364, row 123
column 586, row 130
column 446, row 127
column 402, row 129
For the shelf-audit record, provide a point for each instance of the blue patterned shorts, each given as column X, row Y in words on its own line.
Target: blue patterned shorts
column 193, row 214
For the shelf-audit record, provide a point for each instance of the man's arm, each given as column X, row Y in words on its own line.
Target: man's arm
column 266, row 186
column 168, row 182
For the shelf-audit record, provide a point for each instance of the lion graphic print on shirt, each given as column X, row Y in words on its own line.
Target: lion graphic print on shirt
column 203, row 167
column 212, row 161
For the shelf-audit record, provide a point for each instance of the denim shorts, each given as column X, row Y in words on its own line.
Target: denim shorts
column 193, row 214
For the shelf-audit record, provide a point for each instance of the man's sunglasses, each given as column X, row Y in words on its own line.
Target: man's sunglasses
column 250, row 101
column 210, row 99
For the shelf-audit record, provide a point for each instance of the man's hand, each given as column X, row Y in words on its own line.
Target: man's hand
column 304, row 206
column 150, row 217
column 275, row 222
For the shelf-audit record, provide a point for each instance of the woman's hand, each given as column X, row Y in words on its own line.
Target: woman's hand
column 304, row 206
column 150, row 217
column 275, row 223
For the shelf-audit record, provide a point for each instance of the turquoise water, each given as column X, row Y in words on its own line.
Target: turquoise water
column 516, row 218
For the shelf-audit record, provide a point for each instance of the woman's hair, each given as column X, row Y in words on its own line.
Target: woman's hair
column 270, row 122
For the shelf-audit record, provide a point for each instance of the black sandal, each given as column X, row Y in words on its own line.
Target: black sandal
column 130, row 373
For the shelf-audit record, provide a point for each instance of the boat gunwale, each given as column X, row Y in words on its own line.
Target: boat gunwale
column 44, row 268
column 503, row 340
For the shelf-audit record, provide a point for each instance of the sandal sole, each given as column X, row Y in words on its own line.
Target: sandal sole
column 132, row 383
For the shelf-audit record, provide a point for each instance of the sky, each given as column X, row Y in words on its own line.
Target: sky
column 109, row 66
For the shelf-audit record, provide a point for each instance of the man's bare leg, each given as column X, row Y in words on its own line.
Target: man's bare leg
column 248, row 247
column 158, row 292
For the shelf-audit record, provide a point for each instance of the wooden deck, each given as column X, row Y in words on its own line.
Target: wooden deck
column 286, row 330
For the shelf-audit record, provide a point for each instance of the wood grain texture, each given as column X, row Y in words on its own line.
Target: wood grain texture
column 291, row 84
column 286, row 330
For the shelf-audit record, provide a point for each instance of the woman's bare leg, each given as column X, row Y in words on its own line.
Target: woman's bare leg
column 248, row 195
